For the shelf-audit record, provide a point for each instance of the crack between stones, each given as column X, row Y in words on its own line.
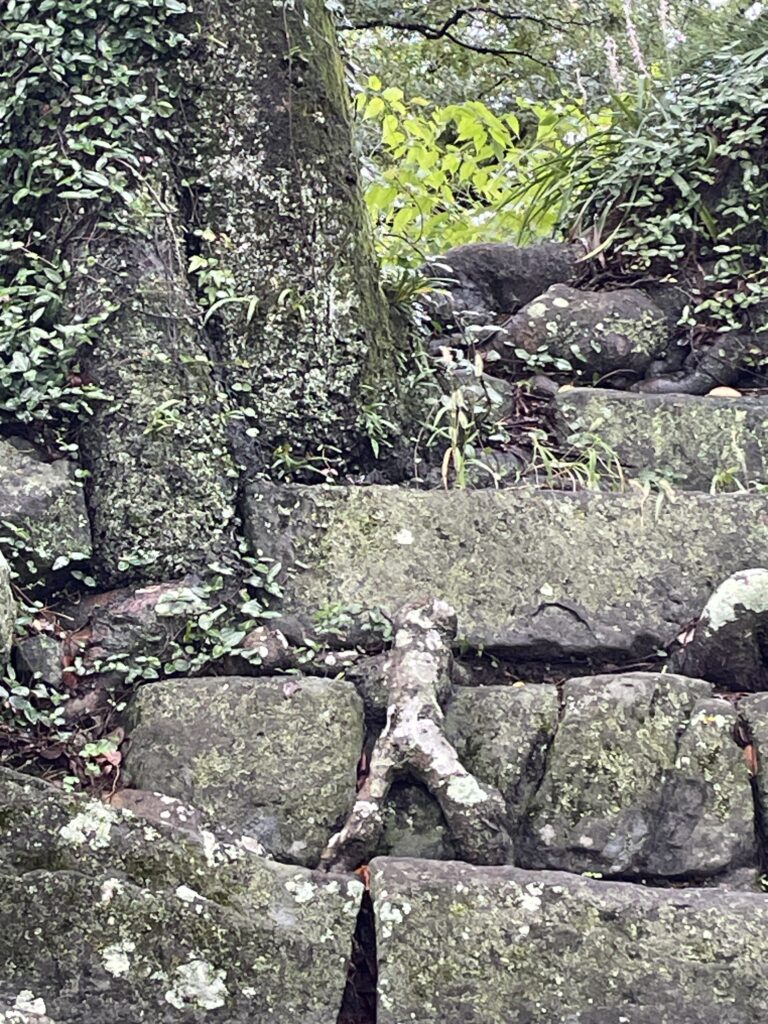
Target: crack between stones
column 358, row 1004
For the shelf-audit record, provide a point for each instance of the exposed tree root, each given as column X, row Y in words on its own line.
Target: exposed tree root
column 417, row 674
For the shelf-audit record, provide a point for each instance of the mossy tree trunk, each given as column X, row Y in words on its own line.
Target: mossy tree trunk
column 161, row 482
column 191, row 179
column 307, row 343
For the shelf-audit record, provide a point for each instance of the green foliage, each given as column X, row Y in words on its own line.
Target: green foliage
column 80, row 122
column 460, row 173
column 686, row 193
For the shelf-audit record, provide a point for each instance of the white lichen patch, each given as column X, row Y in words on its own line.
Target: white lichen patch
column 537, row 310
column 465, row 789
column 187, row 895
column 302, row 890
column 389, row 915
column 746, row 590
column 27, row 1002
column 110, row 888
column 198, row 984
column 404, row 537
column 116, row 958
column 92, row 827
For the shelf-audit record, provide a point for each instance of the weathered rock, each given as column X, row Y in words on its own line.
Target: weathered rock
column 43, row 511
column 40, row 656
column 597, row 333
column 414, row 825
column 644, row 778
column 706, row 820
column 730, row 643
column 729, row 358
column 457, row 943
column 274, row 759
column 118, row 631
column 492, row 278
column 502, row 734
column 104, row 918
column 7, row 611
column 539, row 573
column 686, row 440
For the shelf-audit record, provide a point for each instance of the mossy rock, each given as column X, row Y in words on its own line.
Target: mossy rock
column 462, row 943
column 272, row 758
column 530, row 572
column 105, row 918
column 43, row 511
column 644, row 778
column 690, row 441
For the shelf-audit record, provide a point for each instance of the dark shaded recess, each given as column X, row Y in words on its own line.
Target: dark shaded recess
column 358, row 1005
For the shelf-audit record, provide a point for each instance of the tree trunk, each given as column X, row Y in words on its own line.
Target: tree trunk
column 307, row 342
column 160, row 488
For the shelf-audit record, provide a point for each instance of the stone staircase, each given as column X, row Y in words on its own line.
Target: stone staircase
column 634, row 793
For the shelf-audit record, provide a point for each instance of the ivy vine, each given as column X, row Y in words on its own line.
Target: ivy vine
column 81, row 119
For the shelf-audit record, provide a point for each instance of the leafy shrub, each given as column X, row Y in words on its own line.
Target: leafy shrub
column 446, row 176
column 685, row 194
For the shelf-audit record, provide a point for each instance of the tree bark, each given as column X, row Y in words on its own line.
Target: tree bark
column 161, row 484
column 308, row 344
column 417, row 674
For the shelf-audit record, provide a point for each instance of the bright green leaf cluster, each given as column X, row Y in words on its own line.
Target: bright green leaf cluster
column 452, row 175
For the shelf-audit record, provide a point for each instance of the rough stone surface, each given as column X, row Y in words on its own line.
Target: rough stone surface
column 43, row 511
column 486, row 945
column 106, row 919
column 644, row 778
column 502, row 734
column 687, row 440
column 274, row 759
column 540, row 573
column 414, row 825
column 488, row 278
column 730, row 642
column 597, row 333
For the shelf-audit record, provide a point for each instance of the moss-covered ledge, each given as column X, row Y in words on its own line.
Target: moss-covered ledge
column 534, row 572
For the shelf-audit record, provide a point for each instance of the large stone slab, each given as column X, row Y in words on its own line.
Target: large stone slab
column 535, row 572
column 42, row 511
column 686, row 439
column 105, row 919
column 272, row 758
column 490, row 945
column 644, row 777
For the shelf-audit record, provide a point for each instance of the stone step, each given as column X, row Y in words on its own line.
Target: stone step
column 107, row 917
column 490, row 945
column 693, row 442
column 638, row 775
column 536, row 573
